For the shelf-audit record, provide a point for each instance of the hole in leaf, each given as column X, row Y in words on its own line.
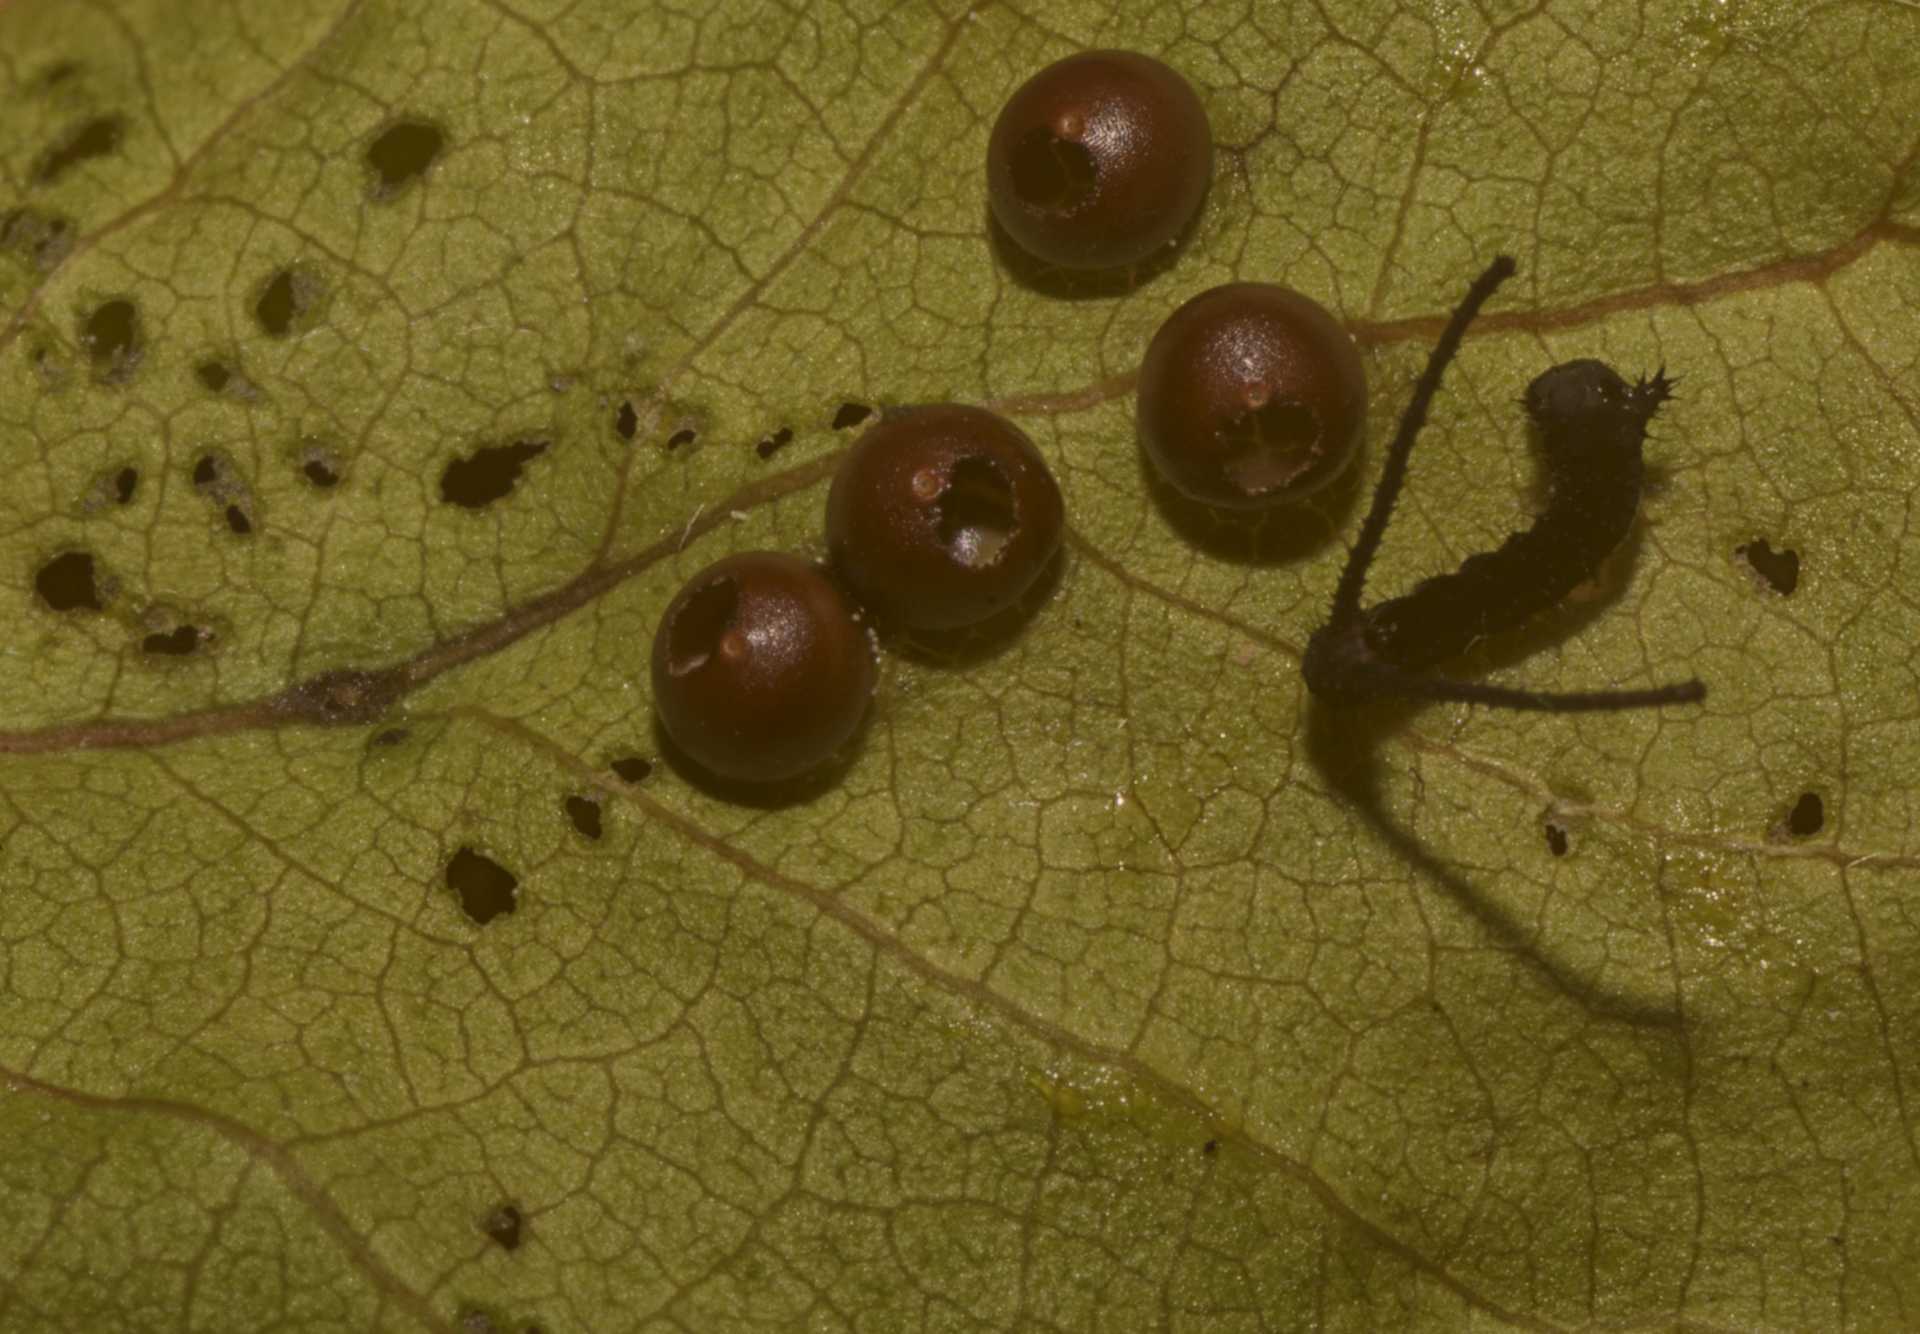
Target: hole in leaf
column 111, row 338
column 851, row 414
column 486, row 888
column 401, row 153
column 683, row 436
column 238, row 521
column 1781, row 569
column 585, row 815
column 1556, row 839
column 177, row 643
column 976, row 512
column 1807, row 816
column 124, row 483
column 319, row 473
column 626, row 422
column 43, row 238
column 89, row 139
column 774, row 443
column 696, row 631
column 66, row 583
column 1052, row 173
column 503, row 1225
column 488, row 474
column 289, row 301
column 206, row 471
column 632, row 769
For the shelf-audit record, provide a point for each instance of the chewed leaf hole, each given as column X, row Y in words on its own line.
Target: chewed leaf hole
column 238, row 521
column 774, row 443
column 66, row 583
column 124, row 484
column 94, row 138
column 207, row 471
column 683, row 436
column 850, row 415
column 289, row 301
column 320, row 470
column 503, row 1225
column 705, row 619
column 1807, row 817
column 401, row 153
column 1781, row 569
column 175, row 643
column 976, row 512
column 585, row 815
column 1052, row 173
column 486, row 888
column 488, row 474
column 626, row 422
column 1556, row 839
column 1273, row 445
column 632, row 769
column 111, row 338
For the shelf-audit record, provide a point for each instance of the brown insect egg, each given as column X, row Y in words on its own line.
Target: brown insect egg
column 760, row 669
column 942, row 516
column 1099, row 160
column 1251, row 395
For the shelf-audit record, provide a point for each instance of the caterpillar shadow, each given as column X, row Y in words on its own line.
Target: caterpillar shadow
column 1343, row 744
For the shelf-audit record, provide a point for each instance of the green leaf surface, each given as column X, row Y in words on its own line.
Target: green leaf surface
column 1109, row 986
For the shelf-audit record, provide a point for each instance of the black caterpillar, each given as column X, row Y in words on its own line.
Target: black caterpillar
column 1593, row 424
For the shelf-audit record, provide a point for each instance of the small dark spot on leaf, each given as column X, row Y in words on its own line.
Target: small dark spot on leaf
column 851, row 414
column 585, row 815
column 632, row 769
column 626, row 422
column 401, row 153
column 344, row 695
column 238, row 521
column 206, row 471
column 487, row 474
column 1556, row 839
column 213, row 374
column 486, row 888
column 66, row 583
column 111, row 337
column 503, row 1225
column 317, row 472
column 181, row 641
column 89, row 139
column 290, row 301
column 1781, row 569
column 1807, row 816
column 774, row 443
column 58, row 73
column 683, row 436
column 393, row 736
column 1211, row 1147
column 43, row 238
column 124, row 483
column 48, row 366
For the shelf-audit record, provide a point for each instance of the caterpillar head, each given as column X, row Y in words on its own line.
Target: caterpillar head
column 1586, row 397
